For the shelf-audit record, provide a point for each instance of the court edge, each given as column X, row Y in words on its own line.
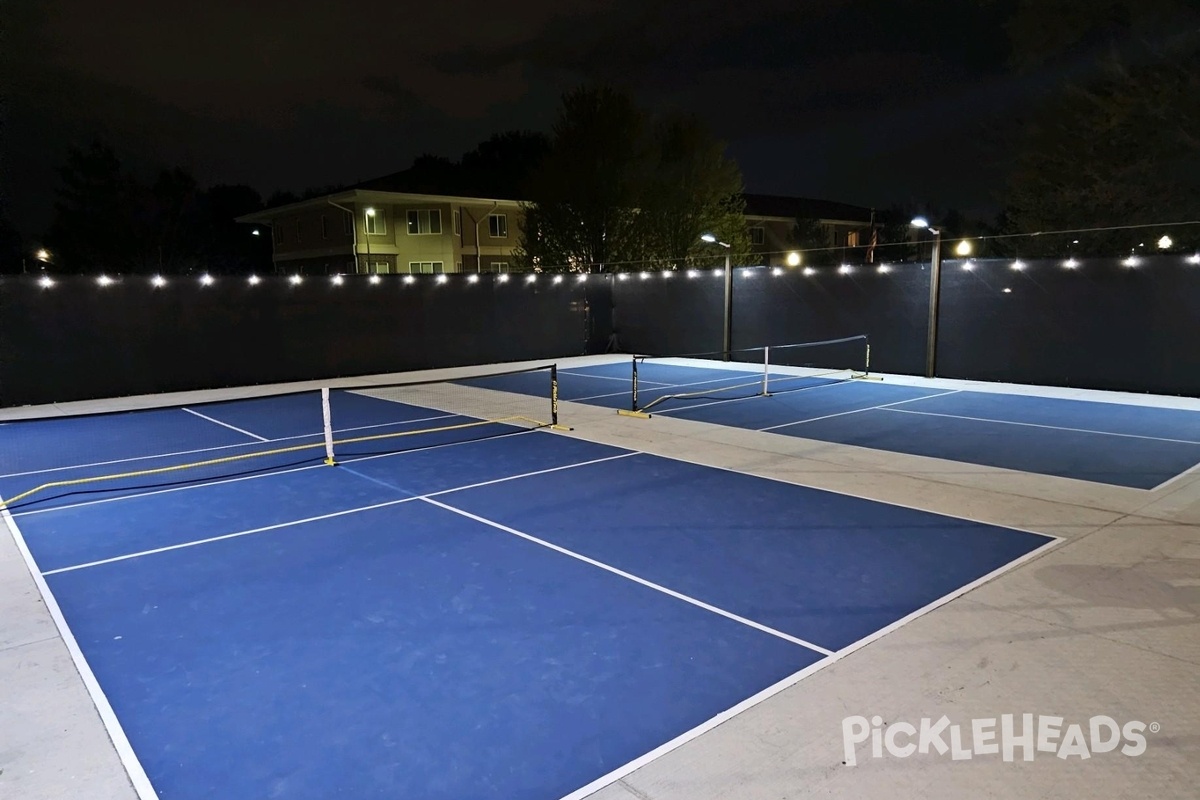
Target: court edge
column 116, row 734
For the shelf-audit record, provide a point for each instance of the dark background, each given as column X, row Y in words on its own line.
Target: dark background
column 1103, row 325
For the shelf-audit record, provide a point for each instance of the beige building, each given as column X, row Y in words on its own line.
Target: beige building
column 373, row 231
column 385, row 232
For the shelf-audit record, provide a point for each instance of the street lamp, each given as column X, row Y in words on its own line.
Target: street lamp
column 935, row 281
column 727, row 338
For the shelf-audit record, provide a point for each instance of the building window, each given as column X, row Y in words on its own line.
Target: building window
column 324, row 227
column 347, row 223
column 498, row 225
column 278, row 231
column 499, row 266
column 457, row 223
column 298, row 238
column 426, row 267
column 380, row 267
column 757, row 235
column 424, row 221
column 374, row 223
column 852, row 239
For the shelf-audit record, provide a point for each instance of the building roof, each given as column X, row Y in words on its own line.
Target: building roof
column 771, row 205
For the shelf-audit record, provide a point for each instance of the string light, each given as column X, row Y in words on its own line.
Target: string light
column 441, row 278
column 667, row 273
column 645, row 275
column 557, row 279
column 158, row 281
column 1131, row 262
column 963, row 248
column 777, row 271
column 581, row 277
column 968, row 265
column 1071, row 263
column 254, row 280
column 502, row 278
column 691, row 273
column 809, row 271
column 46, row 282
column 530, row 278
column 748, row 272
column 338, row 280
column 1018, row 265
column 409, row 279
column 621, row 276
column 1194, row 259
column 207, row 280
column 104, row 280
column 296, row 280
column 1165, row 243
column 374, row 280
column 472, row 278
column 883, row 268
column 845, row 269
column 1007, row 291
column 793, row 259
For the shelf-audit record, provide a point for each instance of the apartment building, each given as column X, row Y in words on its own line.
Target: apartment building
column 376, row 231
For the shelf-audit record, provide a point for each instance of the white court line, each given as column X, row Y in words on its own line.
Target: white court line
column 704, row 727
column 331, row 515
column 1047, row 427
column 223, row 447
column 1185, row 474
column 750, row 397
column 858, row 410
column 270, row 474
column 129, row 760
column 227, row 425
column 611, row 378
column 631, row 577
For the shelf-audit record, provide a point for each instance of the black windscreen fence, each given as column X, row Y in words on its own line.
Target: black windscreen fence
column 78, row 339
column 1096, row 323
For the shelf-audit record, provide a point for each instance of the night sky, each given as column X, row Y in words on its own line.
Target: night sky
column 870, row 102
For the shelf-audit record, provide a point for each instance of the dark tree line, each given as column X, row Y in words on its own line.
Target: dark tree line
column 107, row 218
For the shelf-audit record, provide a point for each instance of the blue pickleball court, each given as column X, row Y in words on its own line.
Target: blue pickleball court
column 490, row 612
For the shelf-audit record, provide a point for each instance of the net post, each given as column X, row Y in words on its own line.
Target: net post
column 766, row 368
column 633, row 406
column 327, row 425
column 554, row 395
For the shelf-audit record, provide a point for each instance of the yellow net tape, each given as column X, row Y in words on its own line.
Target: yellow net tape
column 8, row 502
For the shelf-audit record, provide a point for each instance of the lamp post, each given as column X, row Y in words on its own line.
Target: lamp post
column 935, row 284
column 727, row 338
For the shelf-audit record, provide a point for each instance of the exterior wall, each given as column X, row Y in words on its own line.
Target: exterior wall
column 491, row 249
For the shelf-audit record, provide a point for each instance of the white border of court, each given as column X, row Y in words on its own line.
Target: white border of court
column 129, row 760
column 704, row 727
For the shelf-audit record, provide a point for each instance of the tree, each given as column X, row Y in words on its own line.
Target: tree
column 585, row 195
column 691, row 188
column 231, row 246
column 619, row 190
column 503, row 165
column 1117, row 143
column 94, row 225
column 815, row 241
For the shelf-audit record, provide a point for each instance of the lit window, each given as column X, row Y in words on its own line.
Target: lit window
column 457, row 223
column 374, row 223
column 852, row 239
column 424, row 221
column 498, row 225
column 757, row 235
column 426, row 267
column 499, row 266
